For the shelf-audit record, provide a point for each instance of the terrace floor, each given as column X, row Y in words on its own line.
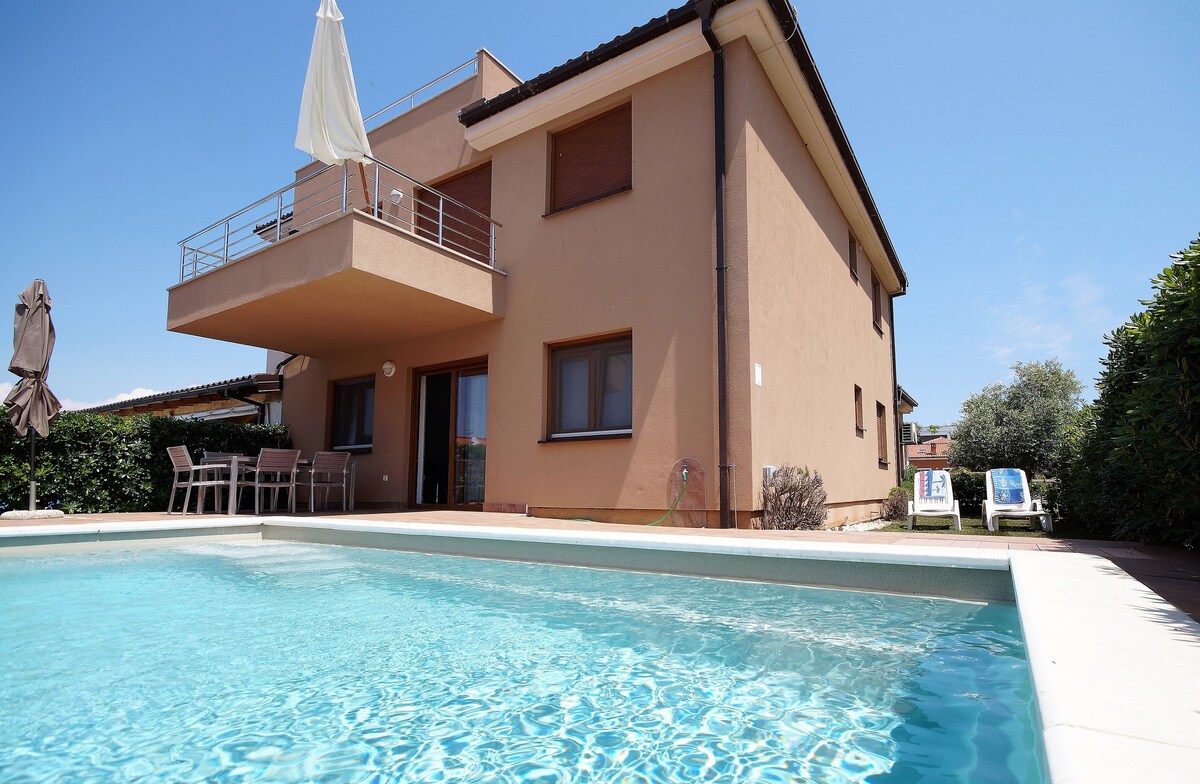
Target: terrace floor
column 1172, row 573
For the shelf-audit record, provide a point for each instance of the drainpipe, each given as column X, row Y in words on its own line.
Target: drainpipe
column 896, row 393
column 261, row 406
column 707, row 9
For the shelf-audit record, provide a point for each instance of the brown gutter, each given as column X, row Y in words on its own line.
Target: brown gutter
column 707, row 9
column 673, row 19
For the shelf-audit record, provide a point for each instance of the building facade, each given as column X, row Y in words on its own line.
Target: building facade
column 518, row 306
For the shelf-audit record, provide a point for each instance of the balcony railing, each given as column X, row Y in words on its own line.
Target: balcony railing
column 388, row 194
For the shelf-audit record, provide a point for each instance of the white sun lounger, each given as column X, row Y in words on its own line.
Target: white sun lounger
column 933, row 496
column 1008, row 496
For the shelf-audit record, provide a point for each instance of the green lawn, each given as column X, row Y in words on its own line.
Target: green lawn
column 970, row 525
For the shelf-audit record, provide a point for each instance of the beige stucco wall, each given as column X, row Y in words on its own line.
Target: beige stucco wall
column 810, row 322
column 642, row 262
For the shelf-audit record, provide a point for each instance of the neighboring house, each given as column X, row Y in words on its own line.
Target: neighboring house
column 932, row 450
column 550, row 299
column 255, row 398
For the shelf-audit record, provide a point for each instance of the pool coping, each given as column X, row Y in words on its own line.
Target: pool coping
column 1115, row 668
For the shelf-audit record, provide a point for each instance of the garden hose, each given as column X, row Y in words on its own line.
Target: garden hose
column 682, row 490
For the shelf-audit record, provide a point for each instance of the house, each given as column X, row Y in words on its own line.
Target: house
column 254, row 398
column 551, row 295
column 931, row 448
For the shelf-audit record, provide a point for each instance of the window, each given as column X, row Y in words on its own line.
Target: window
column 462, row 230
column 591, row 389
column 852, row 258
column 876, row 302
column 353, row 414
column 881, row 429
column 591, row 160
column 858, row 411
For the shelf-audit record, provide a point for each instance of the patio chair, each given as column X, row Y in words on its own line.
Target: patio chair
column 275, row 470
column 933, row 496
column 329, row 470
column 189, row 475
column 1008, row 496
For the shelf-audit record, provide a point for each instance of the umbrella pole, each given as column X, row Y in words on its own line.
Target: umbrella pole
column 32, row 464
column 362, row 174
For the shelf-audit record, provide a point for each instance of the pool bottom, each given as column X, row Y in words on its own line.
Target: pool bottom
column 415, row 667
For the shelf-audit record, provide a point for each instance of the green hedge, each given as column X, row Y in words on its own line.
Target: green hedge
column 105, row 463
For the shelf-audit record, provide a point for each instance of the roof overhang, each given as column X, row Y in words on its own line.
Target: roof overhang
column 675, row 38
column 237, row 389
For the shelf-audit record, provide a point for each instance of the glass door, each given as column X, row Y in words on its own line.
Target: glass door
column 451, row 455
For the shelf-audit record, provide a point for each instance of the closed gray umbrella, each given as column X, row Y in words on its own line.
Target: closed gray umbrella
column 31, row 405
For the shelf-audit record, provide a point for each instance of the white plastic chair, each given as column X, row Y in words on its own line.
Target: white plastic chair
column 1008, row 496
column 933, row 496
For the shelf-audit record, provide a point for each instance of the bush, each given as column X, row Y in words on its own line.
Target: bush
column 105, row 463
column 910, row 473
column 895, row 507
column 793, row 500
column 970, row 487
column 1132, row 467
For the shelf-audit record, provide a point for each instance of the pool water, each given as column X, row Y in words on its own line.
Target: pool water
column 276, row 661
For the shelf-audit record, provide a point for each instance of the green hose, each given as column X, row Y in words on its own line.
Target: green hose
column 682, row 490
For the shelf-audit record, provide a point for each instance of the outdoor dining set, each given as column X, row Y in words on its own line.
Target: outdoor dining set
column 272, row 470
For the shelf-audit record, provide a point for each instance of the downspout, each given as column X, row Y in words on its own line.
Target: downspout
column 707, row 9
column 261, row 406
column 896, row 392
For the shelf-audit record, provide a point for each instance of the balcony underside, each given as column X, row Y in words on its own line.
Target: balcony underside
column 352, row 281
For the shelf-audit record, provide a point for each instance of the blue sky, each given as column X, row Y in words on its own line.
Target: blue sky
column 1034, row 162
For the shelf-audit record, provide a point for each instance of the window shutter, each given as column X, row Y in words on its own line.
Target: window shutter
column 592, row 160
column 881, row 431
column 876, row 301
column 462, row 230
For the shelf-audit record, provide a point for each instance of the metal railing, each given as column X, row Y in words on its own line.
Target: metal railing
column 388, row 194
column 300, row 204
column 425, row 93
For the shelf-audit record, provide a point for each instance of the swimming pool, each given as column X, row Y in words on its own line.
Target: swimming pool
column 284, row 661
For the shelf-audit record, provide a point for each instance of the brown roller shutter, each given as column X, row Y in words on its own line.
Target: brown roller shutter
column 592, row 160
column 462, row 229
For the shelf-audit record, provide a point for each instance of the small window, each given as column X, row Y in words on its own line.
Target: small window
column 353, row 414
column 591, row 389
column 876, row 302
column 852, row 256
column 881, row 428
column 591, row 160
column 858, row 410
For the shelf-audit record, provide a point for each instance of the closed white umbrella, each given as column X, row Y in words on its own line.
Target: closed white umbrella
column 331, row 126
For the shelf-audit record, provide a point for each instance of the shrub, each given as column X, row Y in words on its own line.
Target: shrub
column 910, row 473
column 1132, row 469
column 793, row 500
column 895, row 506
column 105, row 463
column 970, row 487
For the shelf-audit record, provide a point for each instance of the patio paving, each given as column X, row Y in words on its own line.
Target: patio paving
column 1172, row 573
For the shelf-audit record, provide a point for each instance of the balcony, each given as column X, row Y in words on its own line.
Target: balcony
column 343, row 256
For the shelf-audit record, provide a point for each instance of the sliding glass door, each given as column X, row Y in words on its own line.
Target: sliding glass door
column 451, row 435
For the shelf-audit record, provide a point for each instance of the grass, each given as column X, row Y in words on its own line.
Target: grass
column 970, row 525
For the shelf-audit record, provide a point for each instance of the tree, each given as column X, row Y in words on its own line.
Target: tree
column 1134, row 468
column 1020, row 424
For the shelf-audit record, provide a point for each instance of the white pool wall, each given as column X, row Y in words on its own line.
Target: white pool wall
column 1115, row 668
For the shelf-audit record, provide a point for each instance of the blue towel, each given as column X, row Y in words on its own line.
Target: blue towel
column 1007, row 487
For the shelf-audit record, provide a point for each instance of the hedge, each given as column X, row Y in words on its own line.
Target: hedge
column 106, row 463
